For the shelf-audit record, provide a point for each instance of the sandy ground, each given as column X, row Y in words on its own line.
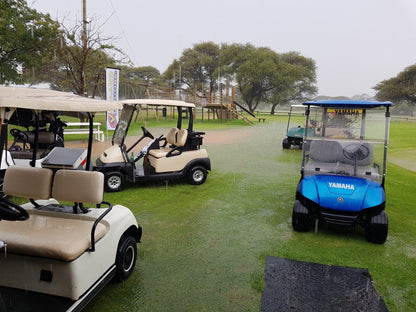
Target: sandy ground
column 405, row 159
column 211, row 137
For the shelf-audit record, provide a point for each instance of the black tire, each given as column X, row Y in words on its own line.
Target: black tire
column 113, row 182
column 126, row 257
column 2, row 195
column 302, row 221
column 197, row 175
column 286, row 144
column 377, row 228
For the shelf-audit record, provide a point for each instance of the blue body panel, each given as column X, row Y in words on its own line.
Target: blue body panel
column 343, row 193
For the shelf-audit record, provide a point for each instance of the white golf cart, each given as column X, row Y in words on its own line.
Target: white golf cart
column 176, row 155
column 58, row 250
column 22, row 125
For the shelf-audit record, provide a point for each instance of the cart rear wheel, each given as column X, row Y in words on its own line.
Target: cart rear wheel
column 113, row 182
column 301, row 219
column 376, row 228
column 126, row 258
column 197, row 175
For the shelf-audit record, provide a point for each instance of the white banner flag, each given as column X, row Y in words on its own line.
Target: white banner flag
column 111, row 92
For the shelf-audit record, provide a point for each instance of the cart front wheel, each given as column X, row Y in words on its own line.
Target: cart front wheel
column 376, row 228
column 113, row 182
column 301, row 219
column 126, row 258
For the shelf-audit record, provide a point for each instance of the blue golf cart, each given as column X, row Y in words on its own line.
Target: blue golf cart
column 344, row 167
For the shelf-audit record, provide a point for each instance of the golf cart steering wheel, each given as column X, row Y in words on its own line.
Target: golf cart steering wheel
column 11, row 211
column 146, row 133
column 19, row 135
column 356, row 151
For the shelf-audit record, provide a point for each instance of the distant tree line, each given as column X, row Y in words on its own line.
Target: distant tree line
column 400, row 90
column 36, row 49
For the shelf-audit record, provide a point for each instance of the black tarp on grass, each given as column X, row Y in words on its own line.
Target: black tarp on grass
column 291, row 285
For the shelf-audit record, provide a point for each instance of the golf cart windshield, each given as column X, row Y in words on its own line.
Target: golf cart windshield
column 123, row 124
column 348, row 123
column 347, row 138
column 296, row 122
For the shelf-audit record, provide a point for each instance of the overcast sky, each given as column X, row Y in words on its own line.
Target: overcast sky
column 355, row 43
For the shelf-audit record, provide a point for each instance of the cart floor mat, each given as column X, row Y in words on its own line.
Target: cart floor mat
column 291, row 285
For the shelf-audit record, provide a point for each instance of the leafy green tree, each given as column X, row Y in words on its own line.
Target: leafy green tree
column 135, row 80
column 258, row 76
column 196, row 67
column 25, row 35
column 399, row 89
column 75, row 64
column 144, row 74
column 233, row 56
column 298, row 84
column 263, row 75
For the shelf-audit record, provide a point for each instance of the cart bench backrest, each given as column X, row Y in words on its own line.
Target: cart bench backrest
column 181, row 137
column 68, row 185
column 171, row 136
column 63, row 237
column 78, row 186
column 29, row 182
column 332, row 151
column 45, row 137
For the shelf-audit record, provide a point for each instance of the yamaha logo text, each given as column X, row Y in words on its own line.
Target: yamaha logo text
column 344, row 186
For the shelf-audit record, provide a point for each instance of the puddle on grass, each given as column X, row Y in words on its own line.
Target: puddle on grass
column 405, row 159
column 202, row 245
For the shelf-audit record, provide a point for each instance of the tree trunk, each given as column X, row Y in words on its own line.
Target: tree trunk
column 273, row 109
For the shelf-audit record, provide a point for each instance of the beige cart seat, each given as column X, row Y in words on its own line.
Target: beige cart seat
column 328, row 157
column 59, row 236
column 171, row 136
column 180, row 141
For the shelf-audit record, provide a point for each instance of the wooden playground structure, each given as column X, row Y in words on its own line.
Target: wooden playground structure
column 218, row 105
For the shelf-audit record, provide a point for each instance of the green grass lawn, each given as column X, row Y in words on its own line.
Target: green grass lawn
column 204, row 247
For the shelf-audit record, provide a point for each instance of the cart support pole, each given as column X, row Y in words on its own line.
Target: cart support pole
column 4, row 121
column 90, row 138
column 35, row 143
column 3, row 139
column 305, row 135
column 386, row 138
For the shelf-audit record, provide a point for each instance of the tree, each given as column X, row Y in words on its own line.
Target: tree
column 196, row 66
column 299, row 83
column 145, row 74
column 75, row 64
column 25, row 35
column 399, row 89
column 135, row 80
column 264, row 75
column 233, row 56
column 258, row 76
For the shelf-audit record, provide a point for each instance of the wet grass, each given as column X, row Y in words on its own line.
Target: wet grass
column 204, row 247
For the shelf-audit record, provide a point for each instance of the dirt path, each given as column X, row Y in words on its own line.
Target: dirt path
column 211, row 137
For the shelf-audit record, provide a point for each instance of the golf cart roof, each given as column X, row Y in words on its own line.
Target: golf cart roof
column 38, row 99
column 157, row 102
column 347, row 103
